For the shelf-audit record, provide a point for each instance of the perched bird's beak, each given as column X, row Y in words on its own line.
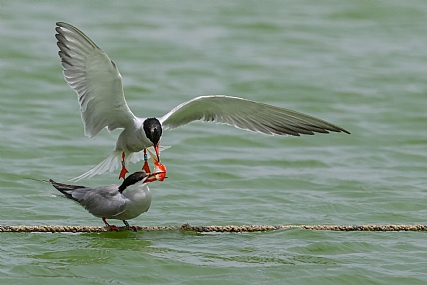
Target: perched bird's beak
column 155, row 176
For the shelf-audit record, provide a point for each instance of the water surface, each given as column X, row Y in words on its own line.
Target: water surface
column 360, row 65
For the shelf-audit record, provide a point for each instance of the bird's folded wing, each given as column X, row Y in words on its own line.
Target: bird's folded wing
column 104, row 201
column 95, row 78
column 247, row 115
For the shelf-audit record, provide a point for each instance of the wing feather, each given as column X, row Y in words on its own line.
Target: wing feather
column 104, row 201
column 247, row 115
column 95, row 78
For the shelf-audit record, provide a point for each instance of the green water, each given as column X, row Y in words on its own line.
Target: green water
column 359, row 64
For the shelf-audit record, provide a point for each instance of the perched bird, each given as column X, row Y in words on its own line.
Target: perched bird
column 121, row 202
column 96, row 80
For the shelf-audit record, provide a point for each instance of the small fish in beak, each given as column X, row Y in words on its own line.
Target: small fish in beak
column 155, row 176
column 159, row 169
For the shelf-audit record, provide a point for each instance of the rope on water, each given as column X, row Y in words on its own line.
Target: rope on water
column 203, row 229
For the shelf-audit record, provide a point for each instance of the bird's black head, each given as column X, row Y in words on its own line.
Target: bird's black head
column 132, row 179
column 153, row 130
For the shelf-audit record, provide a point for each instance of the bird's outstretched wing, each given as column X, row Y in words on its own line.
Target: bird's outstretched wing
column 247, row 115
column 95, row 78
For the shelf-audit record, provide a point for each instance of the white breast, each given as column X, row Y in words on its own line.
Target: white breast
column 138, row 200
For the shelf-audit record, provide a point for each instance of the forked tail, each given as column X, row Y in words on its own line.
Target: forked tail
column 112, row 162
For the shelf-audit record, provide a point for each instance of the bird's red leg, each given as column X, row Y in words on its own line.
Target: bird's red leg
column 110, row 227
column 124, row 170
column 146, row 167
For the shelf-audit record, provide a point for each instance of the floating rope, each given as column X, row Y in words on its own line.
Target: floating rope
column 203, row 229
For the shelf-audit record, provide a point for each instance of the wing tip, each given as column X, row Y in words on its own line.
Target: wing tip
column 345, row 131
column 338, row 130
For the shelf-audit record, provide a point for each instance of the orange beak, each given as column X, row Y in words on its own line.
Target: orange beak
column 160, row 176
column 156, row 148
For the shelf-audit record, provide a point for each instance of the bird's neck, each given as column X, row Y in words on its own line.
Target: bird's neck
column 136, row 191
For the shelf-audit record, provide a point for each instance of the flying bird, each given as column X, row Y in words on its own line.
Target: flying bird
column 95, row 78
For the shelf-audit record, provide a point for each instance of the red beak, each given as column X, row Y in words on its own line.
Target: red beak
column 156, row 148
column 153, row 177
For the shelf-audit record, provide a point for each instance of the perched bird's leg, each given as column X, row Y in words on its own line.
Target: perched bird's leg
column 124, row 170
column 146, row 167
column 134, row 228
column 110, row 227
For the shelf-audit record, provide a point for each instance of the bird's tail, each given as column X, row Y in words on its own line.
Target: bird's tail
column 66, row 189
column 112, row 162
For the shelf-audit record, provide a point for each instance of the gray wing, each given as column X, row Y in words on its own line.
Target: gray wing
column 95, row 78
column 247, row 115
column 68, row 190
column 104, row 201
